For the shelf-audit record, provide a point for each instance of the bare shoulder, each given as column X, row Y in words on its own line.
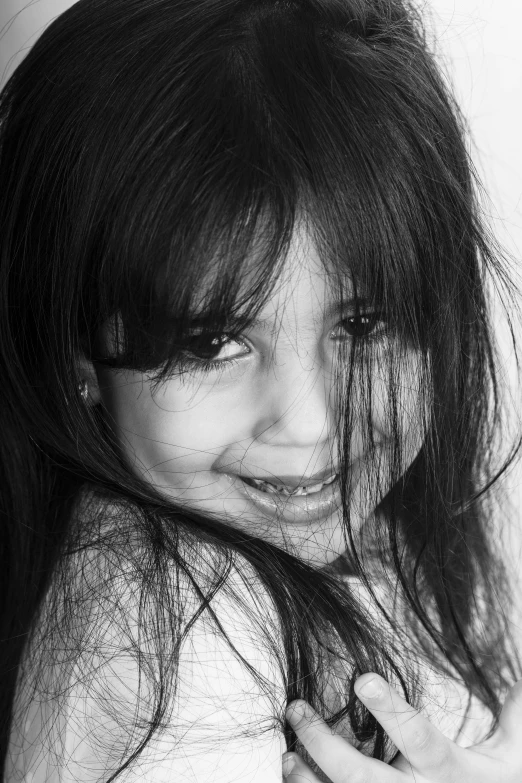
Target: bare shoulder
column 123, row 660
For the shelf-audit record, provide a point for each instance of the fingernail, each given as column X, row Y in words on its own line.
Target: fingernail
column 371, row 689
column 288, row 765
column 295, row 712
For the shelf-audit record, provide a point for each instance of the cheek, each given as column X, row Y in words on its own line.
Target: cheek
column 400, row 407
column 174, row 430
column 201, row 421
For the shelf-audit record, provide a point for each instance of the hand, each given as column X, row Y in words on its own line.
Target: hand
column 426, row 755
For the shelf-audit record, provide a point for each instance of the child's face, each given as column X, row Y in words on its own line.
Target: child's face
column 270, row 415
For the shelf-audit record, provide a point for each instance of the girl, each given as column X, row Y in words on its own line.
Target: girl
column 250, row 403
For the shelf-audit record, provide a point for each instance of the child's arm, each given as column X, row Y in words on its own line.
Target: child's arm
column 221, row 727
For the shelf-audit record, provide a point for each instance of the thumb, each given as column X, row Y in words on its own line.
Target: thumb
column 510, row 719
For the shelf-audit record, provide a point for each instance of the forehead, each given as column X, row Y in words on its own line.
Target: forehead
column 305, row 292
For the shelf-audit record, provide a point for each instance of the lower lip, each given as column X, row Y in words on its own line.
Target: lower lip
column 298, row 509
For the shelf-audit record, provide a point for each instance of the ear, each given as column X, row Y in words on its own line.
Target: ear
column 87, row 372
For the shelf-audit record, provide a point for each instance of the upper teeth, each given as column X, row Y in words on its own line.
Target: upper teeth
column 266, row 486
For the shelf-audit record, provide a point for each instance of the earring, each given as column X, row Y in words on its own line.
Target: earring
column 83, row 388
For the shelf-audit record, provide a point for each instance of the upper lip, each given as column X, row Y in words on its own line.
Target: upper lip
column 293, row 481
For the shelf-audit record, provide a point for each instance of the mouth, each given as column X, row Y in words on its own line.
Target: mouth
column 302, row 505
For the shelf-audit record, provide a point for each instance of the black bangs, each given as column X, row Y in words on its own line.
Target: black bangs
column 334, row 127
column 193, row 287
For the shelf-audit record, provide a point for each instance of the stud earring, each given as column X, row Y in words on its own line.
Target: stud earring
column 83, row 388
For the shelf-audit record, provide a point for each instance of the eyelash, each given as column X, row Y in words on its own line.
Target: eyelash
column 191, row 362
column 207, row 365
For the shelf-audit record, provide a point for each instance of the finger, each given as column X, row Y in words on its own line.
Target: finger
column 422, row 744
column 295, row 770
column 335, row 756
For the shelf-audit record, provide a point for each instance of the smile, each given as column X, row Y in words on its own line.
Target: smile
column 304, row 505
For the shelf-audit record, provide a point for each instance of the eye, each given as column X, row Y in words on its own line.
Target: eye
column 363, row 325
column 214, row 347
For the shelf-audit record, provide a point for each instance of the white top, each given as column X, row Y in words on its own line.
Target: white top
column 230, row 729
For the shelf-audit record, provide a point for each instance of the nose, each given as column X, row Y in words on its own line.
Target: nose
column 294, row 407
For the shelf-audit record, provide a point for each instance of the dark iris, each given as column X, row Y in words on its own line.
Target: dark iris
column 206, row 346
column 362, row 325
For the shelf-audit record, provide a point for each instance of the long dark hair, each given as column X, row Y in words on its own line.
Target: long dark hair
column 148, row 144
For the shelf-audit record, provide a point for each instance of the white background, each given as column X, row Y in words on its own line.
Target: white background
column 480, row 43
